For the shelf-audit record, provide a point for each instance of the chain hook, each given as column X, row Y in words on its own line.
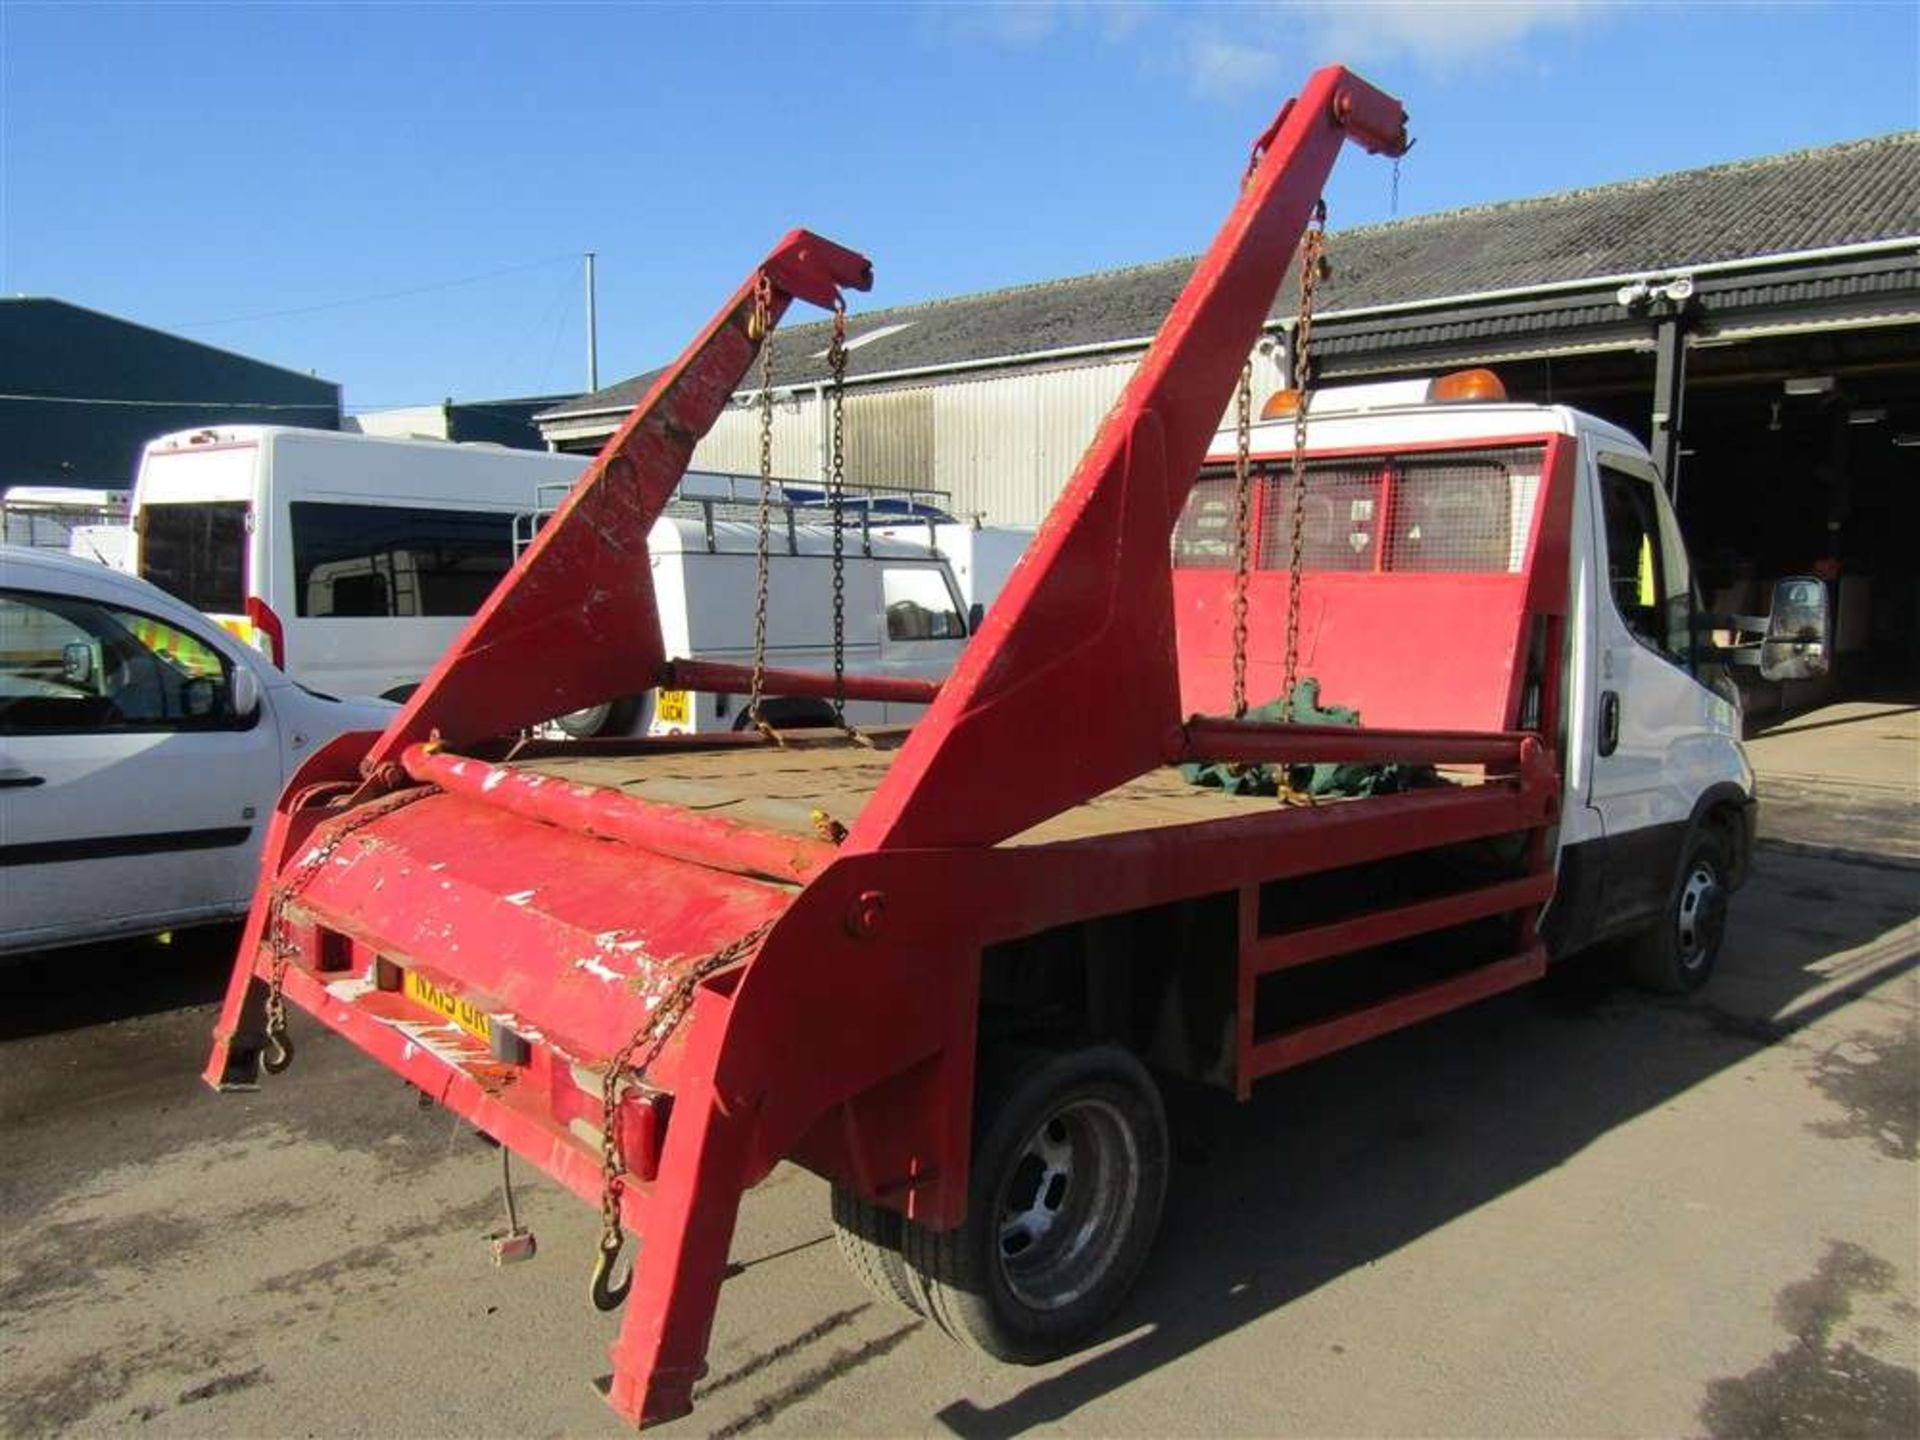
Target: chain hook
column 608, row 1296
column 279, row 1053
column 652, row 1034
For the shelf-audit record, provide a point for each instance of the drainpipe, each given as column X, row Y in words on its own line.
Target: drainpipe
column 1667, row 302
column 1669, row 398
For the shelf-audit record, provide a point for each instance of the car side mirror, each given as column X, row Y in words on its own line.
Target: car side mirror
column 1799, row 630
column 246, row 692
column 76, row 663
column 976, row 612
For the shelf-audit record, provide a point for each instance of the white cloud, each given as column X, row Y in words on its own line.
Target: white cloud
column 1439, row 33
column 1026, row 23
column 1225, row 49
column 1218, row 67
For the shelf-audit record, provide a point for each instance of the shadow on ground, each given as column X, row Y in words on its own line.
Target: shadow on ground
column 54, row 990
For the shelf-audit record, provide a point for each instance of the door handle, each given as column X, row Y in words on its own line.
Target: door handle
column 17, row 779
column 1609, row 721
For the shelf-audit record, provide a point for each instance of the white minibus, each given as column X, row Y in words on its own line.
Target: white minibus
column 352, row 561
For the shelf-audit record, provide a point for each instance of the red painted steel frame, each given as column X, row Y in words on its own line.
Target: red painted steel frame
column 717, row 678
column 565, row 911
column 1085, row 624
column 576, row 622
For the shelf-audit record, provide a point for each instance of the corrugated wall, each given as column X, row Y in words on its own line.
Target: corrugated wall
column 1001, row 446
column 1006, row 445
column 733, row 445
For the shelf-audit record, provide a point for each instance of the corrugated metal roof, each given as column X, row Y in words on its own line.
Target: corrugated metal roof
column 1863, row 191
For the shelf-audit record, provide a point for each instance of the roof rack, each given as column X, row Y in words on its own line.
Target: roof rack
column 714, row 497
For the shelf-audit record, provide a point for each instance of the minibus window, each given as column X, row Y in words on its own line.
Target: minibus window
column 197, row 553
column 385, row 561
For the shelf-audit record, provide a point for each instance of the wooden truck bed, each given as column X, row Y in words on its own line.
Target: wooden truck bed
column 783, row 789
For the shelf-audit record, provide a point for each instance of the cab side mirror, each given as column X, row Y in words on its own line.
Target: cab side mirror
column 246, row 692
column 76, row 663
column 1799, row 630
column 976, row 612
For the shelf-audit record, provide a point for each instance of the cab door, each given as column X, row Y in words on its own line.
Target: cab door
column 1661, row 738
column 132, row 796
column 925, row 627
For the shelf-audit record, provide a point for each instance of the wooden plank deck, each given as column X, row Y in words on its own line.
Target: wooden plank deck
column 782, row 789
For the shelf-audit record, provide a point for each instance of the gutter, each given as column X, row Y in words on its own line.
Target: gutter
column 1282, row 327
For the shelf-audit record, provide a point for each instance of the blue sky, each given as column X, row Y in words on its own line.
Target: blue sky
column 240, row 173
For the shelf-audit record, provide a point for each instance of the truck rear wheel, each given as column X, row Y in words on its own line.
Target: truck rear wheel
column 869, row 1237
column 1069, row 1176
column 1678, row 954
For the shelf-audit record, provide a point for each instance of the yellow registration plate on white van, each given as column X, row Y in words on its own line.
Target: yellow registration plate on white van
column 671, row 707
column 474, row 1021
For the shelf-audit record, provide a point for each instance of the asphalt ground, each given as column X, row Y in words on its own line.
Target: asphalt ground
column 1571, row 1211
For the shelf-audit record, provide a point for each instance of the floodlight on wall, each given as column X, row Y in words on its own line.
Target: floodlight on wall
column 1636, row 293
column 1867, row 415
column 1909, row 441
column 1809, row 385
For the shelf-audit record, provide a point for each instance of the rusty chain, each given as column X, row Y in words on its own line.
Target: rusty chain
column 1312, row 270
column 760, row 327
column 836, row 500
column 1243, row 532
column 652, row 1035
column 279, row 1054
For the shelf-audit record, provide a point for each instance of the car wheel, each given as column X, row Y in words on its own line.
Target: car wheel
column 609, row 717
column 1069, row 1176
column 1679, row 954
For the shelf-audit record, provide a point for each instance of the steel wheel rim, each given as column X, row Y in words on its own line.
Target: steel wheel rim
column 1701, row 917
column 1067, row 1204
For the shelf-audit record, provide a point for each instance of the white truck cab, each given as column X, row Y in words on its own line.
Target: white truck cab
column 1415, row 522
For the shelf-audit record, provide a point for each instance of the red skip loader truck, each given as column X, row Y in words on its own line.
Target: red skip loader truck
column 941, row 966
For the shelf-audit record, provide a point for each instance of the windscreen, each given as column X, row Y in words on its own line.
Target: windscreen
column 197, row 552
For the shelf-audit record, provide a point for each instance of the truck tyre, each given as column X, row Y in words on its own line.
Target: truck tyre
column 1069, row 1175
column 869, row 1237
column 1678, row 955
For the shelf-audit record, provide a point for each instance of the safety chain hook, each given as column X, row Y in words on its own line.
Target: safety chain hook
column 1313, row 269
column 760, row 328
column 652, row 1035
column 279, row 1052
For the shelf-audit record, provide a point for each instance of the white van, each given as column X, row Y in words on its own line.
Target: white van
column 352, row 561
column 905, row 615
column 141, row 751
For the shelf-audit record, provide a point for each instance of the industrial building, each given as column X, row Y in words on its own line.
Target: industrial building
column 82, row 392
column 1757, row 323
column 469, row 422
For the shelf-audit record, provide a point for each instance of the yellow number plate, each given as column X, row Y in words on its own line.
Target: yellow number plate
column 670, row 707
column 475, row 1022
